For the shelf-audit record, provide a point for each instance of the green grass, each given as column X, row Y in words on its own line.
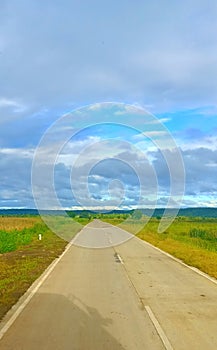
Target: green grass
column 23, row 257
column 194, row 240
column 12, row 240
column 194, row 233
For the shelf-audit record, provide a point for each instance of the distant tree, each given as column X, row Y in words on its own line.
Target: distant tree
column 137, row 214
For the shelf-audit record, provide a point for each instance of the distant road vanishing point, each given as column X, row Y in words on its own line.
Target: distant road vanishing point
column 127, row 297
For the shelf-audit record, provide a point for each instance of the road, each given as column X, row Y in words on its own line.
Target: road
column 131, row 296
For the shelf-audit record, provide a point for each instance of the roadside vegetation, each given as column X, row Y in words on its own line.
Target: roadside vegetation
column 9, row 223
column 191, row 239
column 23, row 257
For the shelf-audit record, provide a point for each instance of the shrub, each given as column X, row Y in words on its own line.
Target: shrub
column 203, row 234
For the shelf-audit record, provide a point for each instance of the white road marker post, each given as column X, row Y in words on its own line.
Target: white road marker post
column 39, row 236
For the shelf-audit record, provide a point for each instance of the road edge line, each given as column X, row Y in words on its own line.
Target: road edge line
column 194, row 269
column 31, row 291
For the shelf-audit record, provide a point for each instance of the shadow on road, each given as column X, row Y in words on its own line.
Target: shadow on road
column 56, row 322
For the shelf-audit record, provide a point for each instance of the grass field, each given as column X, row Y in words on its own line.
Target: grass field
column 23, row 257
column 193, row 240
column 9, row 223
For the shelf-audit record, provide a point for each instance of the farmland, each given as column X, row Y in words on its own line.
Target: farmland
column 9, row 223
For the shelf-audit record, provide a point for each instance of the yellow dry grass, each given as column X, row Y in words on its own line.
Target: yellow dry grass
column 195, row 256
column 9, row 223
column 177, row 241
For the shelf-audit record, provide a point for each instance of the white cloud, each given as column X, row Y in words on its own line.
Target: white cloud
column 131, row 109
column 207, row 142
column 66, row 52
column 18, row 152
column 52, row 53
column 95, row 107
column 16, row 106
column 151, row 134
column 164, row 120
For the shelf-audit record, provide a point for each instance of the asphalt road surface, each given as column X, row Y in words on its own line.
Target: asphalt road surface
column 131, row 296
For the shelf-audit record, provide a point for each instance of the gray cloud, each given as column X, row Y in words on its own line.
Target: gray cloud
column 200, row 167
column 15, row 181
column 57, row 54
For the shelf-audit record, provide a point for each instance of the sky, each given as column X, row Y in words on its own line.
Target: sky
column 69, row 58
